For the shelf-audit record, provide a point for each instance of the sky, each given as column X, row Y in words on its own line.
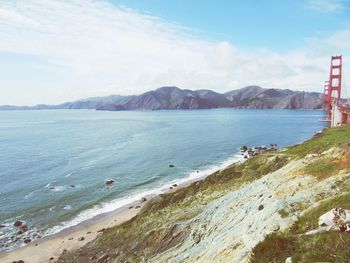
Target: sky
column 57, row 51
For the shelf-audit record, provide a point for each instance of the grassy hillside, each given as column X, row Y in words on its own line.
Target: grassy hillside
column 166, row 221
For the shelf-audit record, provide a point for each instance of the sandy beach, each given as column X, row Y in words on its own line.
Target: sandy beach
column 49, row 248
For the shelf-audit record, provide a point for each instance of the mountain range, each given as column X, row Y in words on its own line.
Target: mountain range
column 166, row 98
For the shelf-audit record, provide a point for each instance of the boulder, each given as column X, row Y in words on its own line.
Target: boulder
column 24, row 228
column 81, row 238
column 18, row 261
column 143, row 199
column 175, row 185
column 1, row 225
column 260, row 207
column 275, row 228
column 171, row 165
column 28, row 240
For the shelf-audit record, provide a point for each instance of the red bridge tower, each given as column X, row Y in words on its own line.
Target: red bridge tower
column 334, row 84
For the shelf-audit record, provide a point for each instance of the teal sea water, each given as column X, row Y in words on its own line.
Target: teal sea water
column 54, row 164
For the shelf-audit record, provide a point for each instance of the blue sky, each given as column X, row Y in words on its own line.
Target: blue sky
column 274, row 24
column 55, row 51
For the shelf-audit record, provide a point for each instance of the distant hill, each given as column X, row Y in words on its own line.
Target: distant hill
column 168, row 98
column 251, row 97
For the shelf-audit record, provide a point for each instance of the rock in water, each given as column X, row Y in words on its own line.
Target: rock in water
column 171, row 165
column 144, row 199
column 17, row 223
column 109, row 182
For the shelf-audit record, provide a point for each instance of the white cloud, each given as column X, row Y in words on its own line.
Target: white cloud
column 89, row 48
column 326, row 6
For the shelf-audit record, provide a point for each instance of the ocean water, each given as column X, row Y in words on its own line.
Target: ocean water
column 54, row 164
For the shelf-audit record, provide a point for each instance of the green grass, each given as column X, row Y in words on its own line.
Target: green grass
column 334, row 137
column 322, row 168
column 322, row 247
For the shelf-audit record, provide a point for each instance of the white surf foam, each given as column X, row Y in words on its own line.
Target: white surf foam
column 127, row 200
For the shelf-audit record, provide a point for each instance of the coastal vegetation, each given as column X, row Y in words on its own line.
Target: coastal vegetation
column 330, row 246
column 167, row 222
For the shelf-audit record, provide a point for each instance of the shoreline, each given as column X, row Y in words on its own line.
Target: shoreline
column 43, row 250
column 48, row 248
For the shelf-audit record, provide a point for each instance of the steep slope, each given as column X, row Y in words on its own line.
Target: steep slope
column 244, row 93
column 223, row 217
column 256, row 97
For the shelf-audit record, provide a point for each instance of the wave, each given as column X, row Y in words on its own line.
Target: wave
column 128, row 200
